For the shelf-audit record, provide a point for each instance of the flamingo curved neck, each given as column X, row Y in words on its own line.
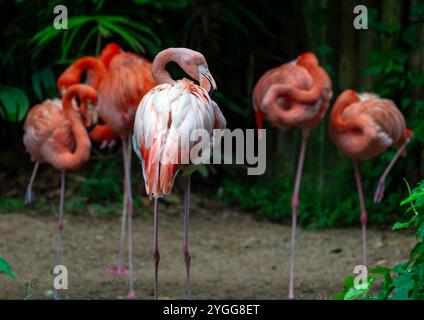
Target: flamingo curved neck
column 308, row 96
column 94, row 64
column 314, row 93
column 347, row 98
column 71, row 160
column 160, row 74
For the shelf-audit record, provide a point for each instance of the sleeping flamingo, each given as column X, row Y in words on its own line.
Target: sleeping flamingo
column 96, row 68
column 68, row 78
column 295, row 94
column 57, row 136
column 363, row 126
column 165, row 119
column 122, row 79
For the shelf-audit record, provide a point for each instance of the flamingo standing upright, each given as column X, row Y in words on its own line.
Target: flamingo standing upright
column 57, row 136
column 122, row 79
column 295, row 94
column 363, row 126
column 165, row 119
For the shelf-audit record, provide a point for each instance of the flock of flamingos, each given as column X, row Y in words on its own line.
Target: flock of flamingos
column 121, row 94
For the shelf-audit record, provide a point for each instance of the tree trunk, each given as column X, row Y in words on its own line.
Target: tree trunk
column 348, row 47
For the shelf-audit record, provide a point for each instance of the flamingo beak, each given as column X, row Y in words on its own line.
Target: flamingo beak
column 92, row 113
column 206, row 80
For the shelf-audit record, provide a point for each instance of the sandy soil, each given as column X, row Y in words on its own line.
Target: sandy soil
column 234, row 256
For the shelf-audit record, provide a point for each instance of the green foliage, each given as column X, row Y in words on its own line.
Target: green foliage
column 104, row 183
column 11, row 205
column 270, row 196
column 5, row 268
column 396, row 80
column 241, row 40
column 405, row 281
column 14, row 104
column 134, row 34
column 29, row 287
column 44, row 83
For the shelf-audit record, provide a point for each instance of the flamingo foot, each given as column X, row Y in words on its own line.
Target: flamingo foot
column 29, row 196
column 118, row 270
column 379, row 192
column 131, row 294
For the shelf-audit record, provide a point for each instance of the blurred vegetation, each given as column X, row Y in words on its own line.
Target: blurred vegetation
column 405, row 281
column 5, row 268
column 241, row 40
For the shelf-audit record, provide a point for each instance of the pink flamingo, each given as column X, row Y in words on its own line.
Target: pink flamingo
column 165, row 119
column 57, row 136
column 70, row 77
column 363, row 126
column 295, row 94
column 120, row 87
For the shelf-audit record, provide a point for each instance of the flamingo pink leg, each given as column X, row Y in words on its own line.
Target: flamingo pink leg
column 156, row 255
column 186, row 249
column 363, row 211
column 29, row 194
column 129, row 205
column 59, row 229
column 295, row 206
column 379, row 192
column 119, row 269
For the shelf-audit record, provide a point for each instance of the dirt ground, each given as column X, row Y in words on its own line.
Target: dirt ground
column 234, row 255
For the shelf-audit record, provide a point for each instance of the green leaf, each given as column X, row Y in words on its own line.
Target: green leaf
column 349, row 290
column 404, row 283
column 44, row 83
column 14, row 102
column 5, row 267
column 404, row 225
column 133, row 33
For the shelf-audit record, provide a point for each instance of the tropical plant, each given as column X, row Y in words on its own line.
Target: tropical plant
column 405, row 281
column 135, row 34
column 14, row 104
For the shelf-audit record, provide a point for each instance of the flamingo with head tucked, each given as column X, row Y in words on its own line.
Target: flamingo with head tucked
column 57, row 136
column 295, row 94
column 122, row 79
column 68, row 78
column 165, row 120
column 96, row 68
column 363, row 126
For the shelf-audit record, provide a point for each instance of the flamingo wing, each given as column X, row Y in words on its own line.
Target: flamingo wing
column 165, row 123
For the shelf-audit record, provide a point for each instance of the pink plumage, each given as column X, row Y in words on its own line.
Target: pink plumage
column 166, row 116
column 295, row 94
column 126, row 81
column 365, row 125
column 167, row 129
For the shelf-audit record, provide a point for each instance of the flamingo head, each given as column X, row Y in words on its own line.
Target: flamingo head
column 108, row 52
column 307, row 58
column 67, row 78
column 194, row 63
